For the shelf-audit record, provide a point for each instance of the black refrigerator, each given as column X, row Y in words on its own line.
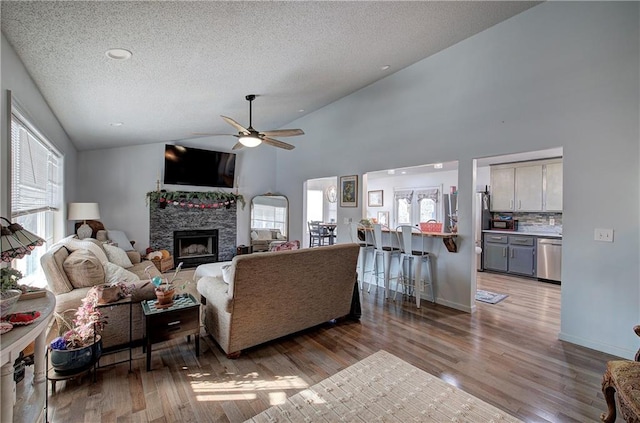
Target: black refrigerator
column 483, row 220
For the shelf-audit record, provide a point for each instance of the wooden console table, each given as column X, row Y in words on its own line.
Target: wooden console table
column 13, row 342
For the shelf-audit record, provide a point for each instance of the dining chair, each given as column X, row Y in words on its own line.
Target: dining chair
column 359, row 236
column 315, row 237
column 410, row 274
column 386, row 253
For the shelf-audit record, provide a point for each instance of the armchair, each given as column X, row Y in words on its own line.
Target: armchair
column 622, row 377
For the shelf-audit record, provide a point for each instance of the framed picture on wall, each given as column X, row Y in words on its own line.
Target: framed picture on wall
column 383, row 218
column 375, row 198
column 349, row 191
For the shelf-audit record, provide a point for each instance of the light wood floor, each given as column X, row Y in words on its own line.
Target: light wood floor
column 506, row 354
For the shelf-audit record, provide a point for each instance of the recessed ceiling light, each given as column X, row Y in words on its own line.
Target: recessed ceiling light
column 301, row 110
column 403, row 172
column 385, row 67
column 391, row 172
column 438, row 166
column 116, row 124
column 118, row 54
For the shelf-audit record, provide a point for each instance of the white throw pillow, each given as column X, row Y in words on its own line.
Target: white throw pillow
column 117, row 255
column 74, row 244
column 254, row 235
column 228, row 273
column 120, row 239
column 114, row 274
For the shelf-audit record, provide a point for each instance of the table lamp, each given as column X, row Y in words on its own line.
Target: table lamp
column 15, row 241
column 84, row 212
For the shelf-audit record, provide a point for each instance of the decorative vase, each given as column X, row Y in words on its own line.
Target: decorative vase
column 66, row 362
column 165, row 297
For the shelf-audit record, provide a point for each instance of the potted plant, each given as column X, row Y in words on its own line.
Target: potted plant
column 9, row 290
column 165, row 288
column 79, row 343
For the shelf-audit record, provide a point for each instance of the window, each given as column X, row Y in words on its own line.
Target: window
column 315, row 205
column 415, row 206
column 269, row 217
column 36, row 191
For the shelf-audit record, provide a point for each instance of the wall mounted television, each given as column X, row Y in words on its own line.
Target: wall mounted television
column 194, row 166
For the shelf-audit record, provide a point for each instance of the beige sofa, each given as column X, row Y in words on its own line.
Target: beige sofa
column 279, row 293
column 116, row 331
column 261, row 239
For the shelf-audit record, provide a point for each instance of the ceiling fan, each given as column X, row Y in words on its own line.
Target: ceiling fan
column 249, row 137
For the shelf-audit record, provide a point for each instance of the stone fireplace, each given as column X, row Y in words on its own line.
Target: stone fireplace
column 164, row 221
column 195, row 247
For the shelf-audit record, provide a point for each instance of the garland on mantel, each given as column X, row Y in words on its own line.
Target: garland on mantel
column 198, row 200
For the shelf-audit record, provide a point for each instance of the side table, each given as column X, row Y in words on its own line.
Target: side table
column 181, row 319
column 119, row 303
column 13, row 342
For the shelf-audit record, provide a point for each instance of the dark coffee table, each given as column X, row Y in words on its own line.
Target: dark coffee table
column 181, row 319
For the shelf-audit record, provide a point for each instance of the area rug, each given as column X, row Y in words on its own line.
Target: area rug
column 383, row 388
column 489, row 297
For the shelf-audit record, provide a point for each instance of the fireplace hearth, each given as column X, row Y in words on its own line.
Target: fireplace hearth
column 195, row 247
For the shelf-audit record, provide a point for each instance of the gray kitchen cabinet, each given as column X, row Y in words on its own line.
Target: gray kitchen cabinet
column 495, row 252
column 514, row 254
column 528, row 189
column 502, row 188
column 553, row 187
column 522, row 255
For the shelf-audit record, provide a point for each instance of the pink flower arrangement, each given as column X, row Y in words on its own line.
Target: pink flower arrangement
column 87, row 324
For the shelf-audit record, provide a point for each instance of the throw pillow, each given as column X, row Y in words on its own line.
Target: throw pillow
column 254, row 235
column 92, row 245
column 120, row 239
column 83, row 269
column 115, row 274
column 290, row 245
column 228, row 273
column 117, row 255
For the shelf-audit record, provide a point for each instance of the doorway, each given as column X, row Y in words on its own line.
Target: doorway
column 321, row 204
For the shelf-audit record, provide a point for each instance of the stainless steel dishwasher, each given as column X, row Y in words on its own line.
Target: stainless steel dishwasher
column 549, row 265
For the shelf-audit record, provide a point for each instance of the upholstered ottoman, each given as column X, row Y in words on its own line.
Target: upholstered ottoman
column 622, row 377
column 209, row 269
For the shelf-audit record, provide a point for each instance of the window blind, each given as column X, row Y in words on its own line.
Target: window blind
column 35, row 170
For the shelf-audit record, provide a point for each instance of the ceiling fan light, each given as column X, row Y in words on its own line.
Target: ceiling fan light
column 250, row 141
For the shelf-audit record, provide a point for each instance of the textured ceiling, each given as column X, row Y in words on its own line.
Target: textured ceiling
column 194, row 61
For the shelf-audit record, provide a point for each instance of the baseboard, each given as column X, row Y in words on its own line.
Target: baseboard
column 456, row 306
column 598, row 346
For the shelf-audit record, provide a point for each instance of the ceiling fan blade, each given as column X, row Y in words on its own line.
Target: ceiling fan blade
column 283, row 133
column 235, row 124
column 277, row 143
column 238, row 146
column 206, row 134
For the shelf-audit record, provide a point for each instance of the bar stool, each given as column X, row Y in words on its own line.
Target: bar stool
column 386, row 253
column 366, row 248
column 411, row 259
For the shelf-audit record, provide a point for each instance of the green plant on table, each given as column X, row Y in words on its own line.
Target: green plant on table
column 168, row 284
column 9, row 278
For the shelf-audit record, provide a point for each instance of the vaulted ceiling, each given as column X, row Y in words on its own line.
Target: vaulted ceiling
column 194, row 61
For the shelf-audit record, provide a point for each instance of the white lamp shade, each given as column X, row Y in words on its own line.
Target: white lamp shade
column 250, row 141
column 83, row 211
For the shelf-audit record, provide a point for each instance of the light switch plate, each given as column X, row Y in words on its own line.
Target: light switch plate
column 604, row 235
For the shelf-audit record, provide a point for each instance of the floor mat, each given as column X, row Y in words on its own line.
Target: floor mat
column 489, row 297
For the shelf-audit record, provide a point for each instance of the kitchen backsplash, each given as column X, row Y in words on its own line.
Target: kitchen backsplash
column 536, row 222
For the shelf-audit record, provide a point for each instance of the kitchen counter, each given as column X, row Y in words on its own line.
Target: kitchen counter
column 530, row 233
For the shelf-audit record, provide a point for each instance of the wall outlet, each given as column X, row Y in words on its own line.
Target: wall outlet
column 552, row 221
column 604, row 235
